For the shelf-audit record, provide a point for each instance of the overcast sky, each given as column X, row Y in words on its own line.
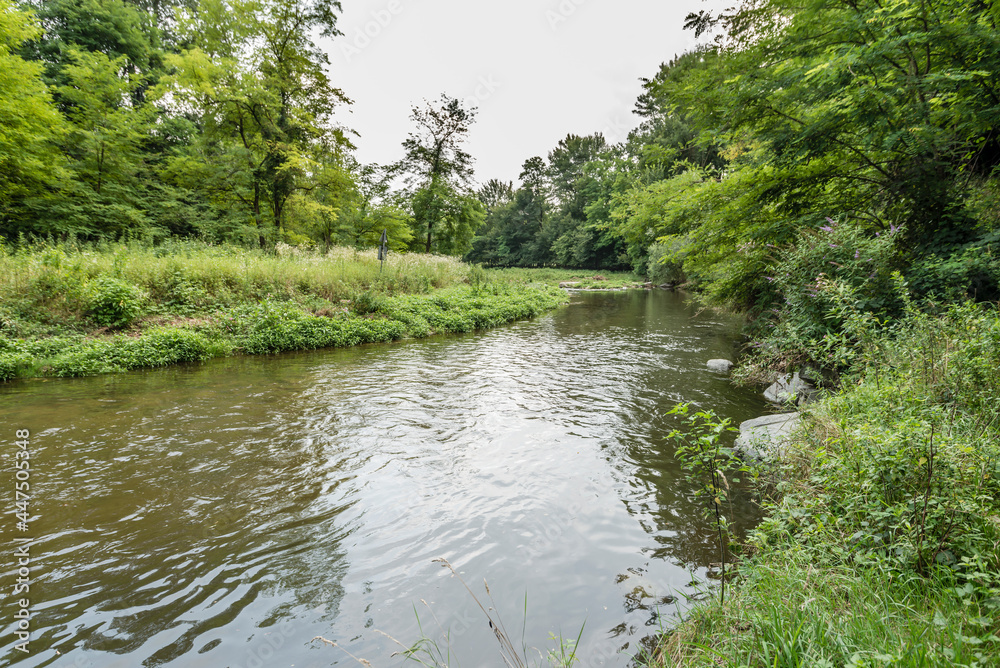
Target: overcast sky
column 536, row 69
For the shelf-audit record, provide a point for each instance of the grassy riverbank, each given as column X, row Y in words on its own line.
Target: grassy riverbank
column 71, row 311
column 585, row 280
column 882, row 544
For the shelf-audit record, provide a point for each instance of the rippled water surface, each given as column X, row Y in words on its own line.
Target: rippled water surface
column 226, row 514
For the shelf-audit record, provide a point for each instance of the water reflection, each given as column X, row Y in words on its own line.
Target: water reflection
column 211, row 515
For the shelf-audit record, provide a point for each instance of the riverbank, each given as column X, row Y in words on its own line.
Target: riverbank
column 881, row 542
column 577, row 279
column 72, row 311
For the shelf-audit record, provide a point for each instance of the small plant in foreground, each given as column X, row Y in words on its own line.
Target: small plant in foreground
column 701, row 453
column 428, row 652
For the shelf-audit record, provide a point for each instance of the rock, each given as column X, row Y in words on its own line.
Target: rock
column 722, row 366
column 569, row 284
column 764, row 438
column 792, row 390
column 666, row 286
column 811, row 374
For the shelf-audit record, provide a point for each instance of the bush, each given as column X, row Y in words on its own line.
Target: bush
column 837, row 287
column 160, row 347
column 909, row 466
column 112, row 302
column 11, row 364
column 663, row 265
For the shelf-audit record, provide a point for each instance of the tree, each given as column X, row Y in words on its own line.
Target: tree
column 373, row 208
column 30, row 126
column 104, row 144
column 439, row 171
column 496, row 194
column 258, row 82
column 111, row 27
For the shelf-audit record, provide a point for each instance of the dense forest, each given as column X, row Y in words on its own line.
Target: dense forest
column 207, row 119
column 842, row 139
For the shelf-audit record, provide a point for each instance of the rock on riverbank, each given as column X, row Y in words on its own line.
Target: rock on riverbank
column 764, row 438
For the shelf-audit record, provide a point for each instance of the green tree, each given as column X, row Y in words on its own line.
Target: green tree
column 265, row 103
column 373, row 208
column 439, row 171
column 104, row 145
column 112, row 27
column 30, row 126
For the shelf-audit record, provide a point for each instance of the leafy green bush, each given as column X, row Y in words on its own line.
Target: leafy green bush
column 11, row 364
column 837, row 287
column 367, row 302
column 971, row 272
column 160, row 347
column 909, row 466
column 112, row 302
column 663, row 265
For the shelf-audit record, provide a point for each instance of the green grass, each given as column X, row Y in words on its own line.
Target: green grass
column 588, row 280
column 69, row 311
column 882, row 542
column 788, row 611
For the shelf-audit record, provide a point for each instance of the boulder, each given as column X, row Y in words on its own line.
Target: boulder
column 721, row 366
column 764, row 438
column 791, row 390
column 569, row 284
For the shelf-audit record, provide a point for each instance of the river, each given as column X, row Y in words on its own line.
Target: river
column 226, row 514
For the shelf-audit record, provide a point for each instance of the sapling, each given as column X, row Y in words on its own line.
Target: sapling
column 702, row 454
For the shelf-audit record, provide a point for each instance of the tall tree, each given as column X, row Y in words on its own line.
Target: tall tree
column 265, row 102
column 29, row 123
column 439, row 171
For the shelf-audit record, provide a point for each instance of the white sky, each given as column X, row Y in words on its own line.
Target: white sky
column 537, row 69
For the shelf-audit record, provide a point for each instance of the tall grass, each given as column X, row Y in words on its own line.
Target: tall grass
column 48, row 284
column 67, row 310
column 789, row 611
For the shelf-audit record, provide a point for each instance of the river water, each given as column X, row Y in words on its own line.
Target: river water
column 226, row 514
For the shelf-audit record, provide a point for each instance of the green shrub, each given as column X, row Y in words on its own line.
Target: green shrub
column 160, row 347
column 663, row 265
column 837, row 286
column 112, row 302
column 367, row 302
column 971, row 272
column 910, row 466
column 12, row 363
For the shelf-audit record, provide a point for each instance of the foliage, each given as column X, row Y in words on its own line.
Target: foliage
column 662, row 267
column 258, row 82
column 204, row 301
column 880, row 545
column 838, row 289
column 710, row 465
column 30, row 124
column 112, row 302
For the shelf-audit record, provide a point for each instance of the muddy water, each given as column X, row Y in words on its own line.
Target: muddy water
column 226, row 514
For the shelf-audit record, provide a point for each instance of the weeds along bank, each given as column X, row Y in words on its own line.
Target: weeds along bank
column 882, row 542
column 71, row 311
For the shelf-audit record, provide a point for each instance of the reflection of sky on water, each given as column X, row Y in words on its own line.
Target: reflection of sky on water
column 208, row 515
